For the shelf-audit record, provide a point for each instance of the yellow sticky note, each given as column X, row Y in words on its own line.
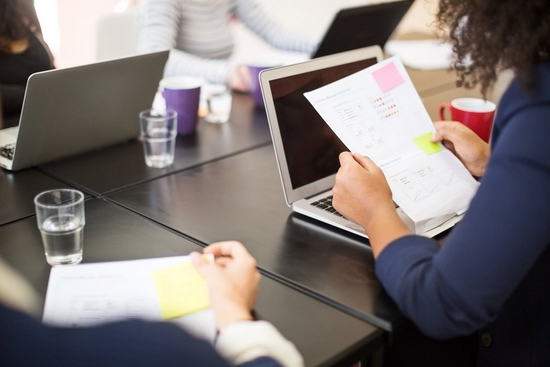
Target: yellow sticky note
column 181, row 290
column 424, row 143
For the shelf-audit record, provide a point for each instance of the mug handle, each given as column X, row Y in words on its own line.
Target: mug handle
column 442, row 108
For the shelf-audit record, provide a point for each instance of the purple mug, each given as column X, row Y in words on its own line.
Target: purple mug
column 255, row 90
column 182, row 94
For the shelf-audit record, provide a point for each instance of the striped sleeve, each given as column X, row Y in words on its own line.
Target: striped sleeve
column 158, row 25
column 199, row 34
column 253, row 16
column 195, row 31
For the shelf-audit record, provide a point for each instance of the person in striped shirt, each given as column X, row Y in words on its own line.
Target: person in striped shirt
column 198, row 33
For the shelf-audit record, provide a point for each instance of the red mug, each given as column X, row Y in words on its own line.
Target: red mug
column 476, row 113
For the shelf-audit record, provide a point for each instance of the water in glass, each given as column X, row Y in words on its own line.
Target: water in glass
column 63, row 237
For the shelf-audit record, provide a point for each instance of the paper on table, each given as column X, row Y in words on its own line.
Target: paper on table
column 377, row 112
column 421, row 54
column 91, row 294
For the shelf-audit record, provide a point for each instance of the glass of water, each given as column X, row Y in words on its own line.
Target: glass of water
column 158, row 133
column 60, row 217
column 218, row 103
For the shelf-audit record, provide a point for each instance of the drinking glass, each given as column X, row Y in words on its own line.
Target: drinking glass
column 218, row 103
column 60, row 218
column 158, row 133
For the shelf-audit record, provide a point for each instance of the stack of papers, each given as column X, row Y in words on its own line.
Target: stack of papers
column 152, row 289
column 377, row 112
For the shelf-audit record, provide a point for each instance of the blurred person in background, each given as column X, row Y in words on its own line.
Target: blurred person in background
column 199, row 35
column 22, row 53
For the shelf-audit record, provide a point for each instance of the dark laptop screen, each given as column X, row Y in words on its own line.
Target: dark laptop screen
column 311, row 148
column 362, row 26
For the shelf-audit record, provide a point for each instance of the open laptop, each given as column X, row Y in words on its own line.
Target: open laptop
column 305, row 147
column 362, row 26
column 74, row 110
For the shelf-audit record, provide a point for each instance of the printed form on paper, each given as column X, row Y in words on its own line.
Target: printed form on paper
column 167, row 288
column 377, row 112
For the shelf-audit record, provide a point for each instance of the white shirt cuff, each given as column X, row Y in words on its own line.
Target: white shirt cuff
column 244, row 341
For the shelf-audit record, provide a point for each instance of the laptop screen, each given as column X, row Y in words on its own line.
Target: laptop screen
column 362, row 26
column 311, row 148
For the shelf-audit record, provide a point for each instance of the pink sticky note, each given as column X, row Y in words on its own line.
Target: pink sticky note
column 387, row 77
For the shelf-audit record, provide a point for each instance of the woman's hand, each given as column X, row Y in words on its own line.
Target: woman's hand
column 360, row 189
column 232, row 281
column 469, row 148
column 361, row 194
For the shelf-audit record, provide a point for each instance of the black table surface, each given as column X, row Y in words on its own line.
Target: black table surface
column 319, row 286
column 241, row 198
column 17, row 192
column 323, row 334
column 117, row 167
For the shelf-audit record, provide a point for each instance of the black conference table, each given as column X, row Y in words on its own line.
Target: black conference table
column 211, row 194
column 319, row 286
column 117, row 167
column 17, row 192
column 325, row 334
column 240, row 198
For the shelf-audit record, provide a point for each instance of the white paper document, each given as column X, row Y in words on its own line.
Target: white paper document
column 377, row 112
column 91, row 294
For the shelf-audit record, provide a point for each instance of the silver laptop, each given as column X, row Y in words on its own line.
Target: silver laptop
column 74, row 110
column 305, row 147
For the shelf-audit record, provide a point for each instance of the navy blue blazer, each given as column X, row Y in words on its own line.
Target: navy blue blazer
column 492, row 273
column 25, row 341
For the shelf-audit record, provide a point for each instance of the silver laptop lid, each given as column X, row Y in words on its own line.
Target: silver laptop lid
column 74, row 110
column 305, row 147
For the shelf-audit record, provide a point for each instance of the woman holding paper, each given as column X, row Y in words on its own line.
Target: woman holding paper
column 232, row 281
column 488, row 283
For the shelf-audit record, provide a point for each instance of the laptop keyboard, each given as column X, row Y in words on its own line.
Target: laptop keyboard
column 7, row 151
column 326, row 204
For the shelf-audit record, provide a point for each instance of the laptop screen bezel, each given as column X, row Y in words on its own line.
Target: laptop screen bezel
column 294, row 194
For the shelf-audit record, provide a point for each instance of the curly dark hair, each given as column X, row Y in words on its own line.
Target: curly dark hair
column 17, row 21
column 493, row 35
